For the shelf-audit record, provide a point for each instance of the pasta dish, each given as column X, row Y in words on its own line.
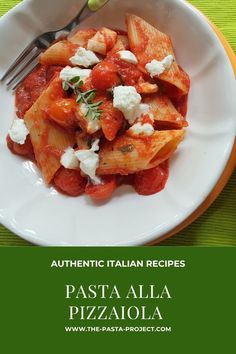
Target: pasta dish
column 103, row 108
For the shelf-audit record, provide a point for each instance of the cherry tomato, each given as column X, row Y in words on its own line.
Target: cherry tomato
column 62, row 112
column 25, row 149
column 102, row 191
column 104, row 76
column 129, row 73
column 70, row 182
column 151, row 181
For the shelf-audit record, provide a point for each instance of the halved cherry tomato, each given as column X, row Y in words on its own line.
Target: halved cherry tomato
column 102, row 191
column 25, row 149
column 151, row 181
column 62, row 112
column 70, row 182
column 104, row 76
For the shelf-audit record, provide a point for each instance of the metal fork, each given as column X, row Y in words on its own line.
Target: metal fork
column 29, row 58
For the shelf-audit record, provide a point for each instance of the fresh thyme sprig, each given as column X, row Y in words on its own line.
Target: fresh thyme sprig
column 93, row 111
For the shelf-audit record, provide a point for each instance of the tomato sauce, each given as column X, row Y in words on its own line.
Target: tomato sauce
column 142, row 45
column 109, row 41
column 179, row 100
column 120, row 32
column 181, row 104
column 53, row 151
column 32, row 87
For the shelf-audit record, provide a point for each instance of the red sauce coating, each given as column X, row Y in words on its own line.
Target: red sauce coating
column 120, row 32
column 53, row 151
column 109, row 41
column 32, row 87
column 181, row 104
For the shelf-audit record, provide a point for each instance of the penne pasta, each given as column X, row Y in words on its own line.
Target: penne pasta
column 48, row 140
column 82, row 36
column 111, row 120
column 59, row 54
column 122, row 43
column 148, row 44
column 164, row 112
column 103, row 41
column 123, row 116
column 127, row 155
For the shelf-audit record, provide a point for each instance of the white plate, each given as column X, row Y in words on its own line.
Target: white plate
column 41, row 215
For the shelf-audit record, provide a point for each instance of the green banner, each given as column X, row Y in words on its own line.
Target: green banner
column 60, row 300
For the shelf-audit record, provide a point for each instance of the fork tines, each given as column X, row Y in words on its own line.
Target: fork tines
column 22, row 66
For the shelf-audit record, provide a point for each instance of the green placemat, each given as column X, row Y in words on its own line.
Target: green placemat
column 217, row 227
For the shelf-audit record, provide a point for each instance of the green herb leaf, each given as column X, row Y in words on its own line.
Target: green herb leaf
column 91, row 96
column 65, row 86
column 87, row 97
column 79, row 99
column 74, row 80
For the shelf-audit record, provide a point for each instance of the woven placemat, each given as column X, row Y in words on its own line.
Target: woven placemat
column 217, row 227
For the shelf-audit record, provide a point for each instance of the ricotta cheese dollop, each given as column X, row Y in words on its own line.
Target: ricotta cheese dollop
column 84, row 57
column 127, row 100
column 128, row 56
column 69, row 73
column 156, row 68
column 89, row 161
column 18, row 131
column 69, row 160
column 142, row 129
column 168, row 61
